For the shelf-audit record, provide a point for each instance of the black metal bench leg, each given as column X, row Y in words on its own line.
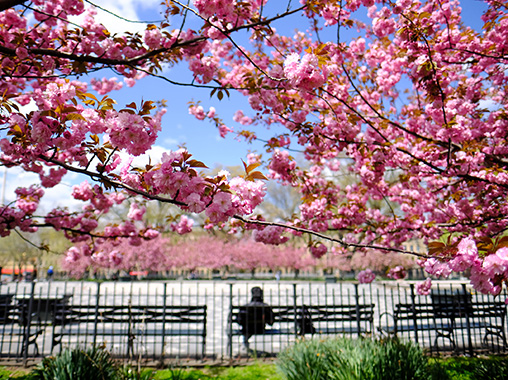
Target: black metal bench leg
column 449, row 335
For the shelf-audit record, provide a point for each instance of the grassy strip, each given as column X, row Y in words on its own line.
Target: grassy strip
column 455, row 368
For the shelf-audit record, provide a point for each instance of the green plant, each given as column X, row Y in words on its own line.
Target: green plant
column 131, row 373
column 182, row 374
column 491, row 369
column 349, row 359
column 454, row 368
column 305, row 360
column 396, row 360
column 77, row 364
column 251, row 372
column 4, row 374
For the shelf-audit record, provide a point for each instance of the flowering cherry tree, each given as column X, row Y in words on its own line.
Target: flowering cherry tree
column 402, row 96
column 164, row 254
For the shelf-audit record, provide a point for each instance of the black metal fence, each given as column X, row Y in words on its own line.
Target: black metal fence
column 202, row 320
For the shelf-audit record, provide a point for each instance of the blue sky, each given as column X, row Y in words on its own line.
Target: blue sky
column 201, row 138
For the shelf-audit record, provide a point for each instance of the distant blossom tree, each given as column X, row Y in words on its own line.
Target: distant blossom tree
column 403, row 93
column 205, row 252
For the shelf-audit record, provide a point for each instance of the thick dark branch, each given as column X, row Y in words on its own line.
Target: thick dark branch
column 116, row 184
column 140, row 58
column 122, row 18
column 329, row 238
column 6, row 4
column 79, row 232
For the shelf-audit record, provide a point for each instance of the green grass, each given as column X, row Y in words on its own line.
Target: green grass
column 256, row 371
column 454, row 368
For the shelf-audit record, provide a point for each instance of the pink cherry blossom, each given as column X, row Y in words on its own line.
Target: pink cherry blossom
column 381, row 143
column 136, row 212
column 304, row 73
column 397, row 273
column 318, row 250
column 184, row 226
column 423, row 288
column 366, row 276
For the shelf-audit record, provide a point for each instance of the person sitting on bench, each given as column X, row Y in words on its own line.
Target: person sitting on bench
column 254, row 316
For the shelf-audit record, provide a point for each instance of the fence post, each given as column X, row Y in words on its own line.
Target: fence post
column 467, row 309
column 164, row 324
column 96, row 313
column 26, row 340
column 357, row 305
column 230, row 323
column 413, row 309
column 296, row 311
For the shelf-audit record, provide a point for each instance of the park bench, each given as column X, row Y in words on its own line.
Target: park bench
column 337, row 319
column 131, row 322
column 300, row 320
column 447, row 313
column 23, row 319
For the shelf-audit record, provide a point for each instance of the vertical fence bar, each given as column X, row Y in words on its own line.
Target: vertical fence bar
column 164, row 310
column 97, row 297
column 357, row 308
column 26, row 339
column 230, row 322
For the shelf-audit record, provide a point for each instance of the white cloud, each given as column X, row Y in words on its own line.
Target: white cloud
column 58, row 196
column 489, row 104
column 127, row 9
column 152, row 156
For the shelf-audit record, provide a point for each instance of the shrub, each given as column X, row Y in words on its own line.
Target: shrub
column 348, row 359
column 77, row 364
column 306, row 360
column 4, row 374
column 396, row 360
column 491, row 369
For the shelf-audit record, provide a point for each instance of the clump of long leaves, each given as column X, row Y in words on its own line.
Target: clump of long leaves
column 493, row 369
column 77, row 364
column 353, row 359
column 132, row 373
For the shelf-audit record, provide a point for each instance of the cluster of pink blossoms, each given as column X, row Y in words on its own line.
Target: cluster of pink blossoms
column 366, row 276
column 247, row 194
column 27, row 201
column 486, row 274
column 80, row 257
column 132, row 133
column 282, row 166
column 174, row 179
column 397, row 273
column 318, row 250
column 270, row 235
column 136, row 212
column 106, row 85
column 423, row 288
column 184, row 226
column 110, row 259
column 305, row 73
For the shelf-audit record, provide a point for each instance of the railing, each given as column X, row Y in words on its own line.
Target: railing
column 143, row 321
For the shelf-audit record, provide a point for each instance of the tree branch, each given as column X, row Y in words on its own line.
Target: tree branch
column 6, row 4
column 329, row 238
column 109, row 181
